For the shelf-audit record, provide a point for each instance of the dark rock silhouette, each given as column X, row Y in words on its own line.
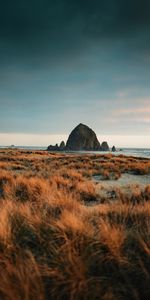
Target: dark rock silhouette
column 104, row 146
column 82, row 138
column 113, row 149
column 53, row 148
column 62, row 145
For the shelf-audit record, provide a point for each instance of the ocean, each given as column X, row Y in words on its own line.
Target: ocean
column 139, row 152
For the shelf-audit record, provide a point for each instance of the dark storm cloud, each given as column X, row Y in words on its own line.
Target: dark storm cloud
column 31, row 25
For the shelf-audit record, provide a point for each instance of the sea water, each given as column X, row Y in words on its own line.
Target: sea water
column 138, row 152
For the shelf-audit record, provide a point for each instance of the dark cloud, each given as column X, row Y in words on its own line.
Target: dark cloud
column 115, row 18
column 33, row 23
column 38, row 33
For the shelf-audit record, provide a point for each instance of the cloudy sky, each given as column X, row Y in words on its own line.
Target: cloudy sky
column 64, row 62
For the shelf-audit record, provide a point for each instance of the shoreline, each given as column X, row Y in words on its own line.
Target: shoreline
column 135, row 152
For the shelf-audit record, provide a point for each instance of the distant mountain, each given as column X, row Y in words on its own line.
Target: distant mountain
column 81, row 138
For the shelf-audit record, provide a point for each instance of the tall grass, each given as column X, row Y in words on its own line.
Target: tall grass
column 61, row 239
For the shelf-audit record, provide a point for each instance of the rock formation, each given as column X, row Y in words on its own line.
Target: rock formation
column 82, row 138
column 113, row 149
column 53, row 148
column 62, row 145
column 104, row 146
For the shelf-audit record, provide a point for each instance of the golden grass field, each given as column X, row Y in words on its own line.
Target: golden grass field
column 61, row 238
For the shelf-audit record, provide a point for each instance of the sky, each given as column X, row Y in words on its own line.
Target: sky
column 67, row 62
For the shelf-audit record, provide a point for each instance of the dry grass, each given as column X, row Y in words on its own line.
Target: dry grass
column 54, row 245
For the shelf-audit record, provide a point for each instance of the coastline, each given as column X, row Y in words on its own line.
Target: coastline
column 137, row 152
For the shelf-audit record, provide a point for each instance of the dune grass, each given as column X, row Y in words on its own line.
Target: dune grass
column 54, row 245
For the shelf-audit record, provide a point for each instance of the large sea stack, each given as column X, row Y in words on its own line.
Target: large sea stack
column 82, row 138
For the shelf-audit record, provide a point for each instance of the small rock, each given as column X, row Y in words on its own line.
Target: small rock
column 113, row 149
column 62, row 145
column 104, row 146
